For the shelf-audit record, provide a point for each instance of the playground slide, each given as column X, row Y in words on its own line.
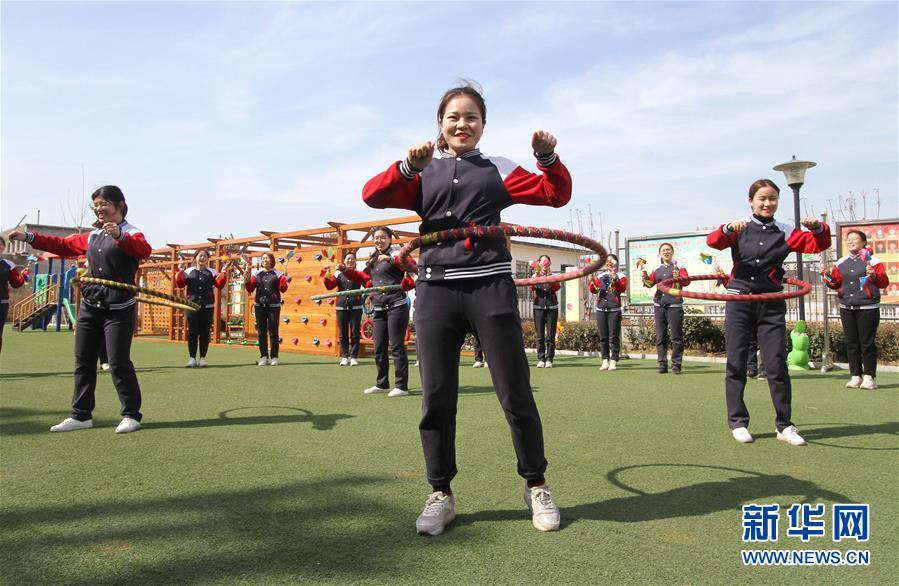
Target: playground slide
column 70, row 312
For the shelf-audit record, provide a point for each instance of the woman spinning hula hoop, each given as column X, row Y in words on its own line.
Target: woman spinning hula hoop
column 348, row 308
column 759, row 245
column 391, row 313
column 668, row 310
column 858, row 278
column 466, row 286
column 608, row 287
column 268, row 284
column 113, row 252
column 546, row 312
column 201, row 281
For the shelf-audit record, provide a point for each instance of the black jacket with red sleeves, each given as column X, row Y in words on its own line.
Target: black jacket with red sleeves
column 107, row 258
column 268, row 286
column 10, row 275
column 381, row 273
column 462, row 191
column 849, row 277
column 665, row 271
column 201, row 285
column 760, row 249
column 608, row 288
column 343, row 283
column 545, row 295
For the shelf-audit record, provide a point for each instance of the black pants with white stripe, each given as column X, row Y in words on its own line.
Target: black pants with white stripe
column 669, row 316
column 348, row 323
column 391, row 324
column 117, row 328
column 198, row 325
column 767, row 318
column 860, row 331
column 609, row 323
column 445, row 313
column 268, row 318
column 545, row 323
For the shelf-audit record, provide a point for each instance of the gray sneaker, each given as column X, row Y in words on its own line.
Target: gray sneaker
column 545, row 513
column 440, row 511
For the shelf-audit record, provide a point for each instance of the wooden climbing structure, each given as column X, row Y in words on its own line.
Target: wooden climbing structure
column 306, row 326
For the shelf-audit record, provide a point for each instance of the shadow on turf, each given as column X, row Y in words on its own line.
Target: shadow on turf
column 232, row 417
column 18, row 421
column 694, row 500
column 317, row 531
column 814, row 433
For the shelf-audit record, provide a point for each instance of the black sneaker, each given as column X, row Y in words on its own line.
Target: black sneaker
column 762, row 375
column 752, row 373
column 676, row 370
column 663, row 370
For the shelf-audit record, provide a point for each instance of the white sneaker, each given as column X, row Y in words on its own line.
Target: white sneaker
column 373, row 390
column 69, row 424
column 486, row 365
column 191, row 362
column 477, row 364
column 605, row 364
column 613, row 365
column 548, row 364
column 201, row 362
column 397, row 393
column 416, row 364
column 354, row 362
column 541, row 364
column 742, row 435
column 544, row 512
column 440, row 511
column 868, row 383
column 128, row 425
column 274, row 362
column 791, row 436
column 854, row 382
column 105, row 366
column 262, row 361
column 344, row 362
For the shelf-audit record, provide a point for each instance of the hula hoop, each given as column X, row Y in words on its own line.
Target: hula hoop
column 184, row 303
column 367, row 330
column 512, row 230
column 353, row 292
column 665, row 287
column 165, row 303
column 369, row 335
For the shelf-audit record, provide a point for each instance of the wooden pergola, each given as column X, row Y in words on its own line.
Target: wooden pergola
column 311, row 248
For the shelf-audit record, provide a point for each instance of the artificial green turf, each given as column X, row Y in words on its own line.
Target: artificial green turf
column 289, row 474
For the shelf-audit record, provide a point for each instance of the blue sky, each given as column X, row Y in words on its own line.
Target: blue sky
column 222, row 117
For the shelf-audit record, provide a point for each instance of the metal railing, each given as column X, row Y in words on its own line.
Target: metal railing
column 41, row 298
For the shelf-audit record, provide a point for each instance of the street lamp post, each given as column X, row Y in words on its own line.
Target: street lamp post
column 795, row 173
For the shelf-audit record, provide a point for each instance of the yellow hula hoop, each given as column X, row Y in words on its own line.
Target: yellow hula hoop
column 165, row 303
column 176, row 301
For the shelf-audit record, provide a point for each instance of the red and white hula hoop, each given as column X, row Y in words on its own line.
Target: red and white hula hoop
column 665, row 287
column 513, row 230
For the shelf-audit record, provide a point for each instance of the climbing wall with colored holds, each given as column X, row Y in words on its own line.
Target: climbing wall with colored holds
column 306, row 326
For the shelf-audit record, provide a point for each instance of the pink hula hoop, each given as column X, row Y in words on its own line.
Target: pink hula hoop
column 665, row 287
column 512, row 230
